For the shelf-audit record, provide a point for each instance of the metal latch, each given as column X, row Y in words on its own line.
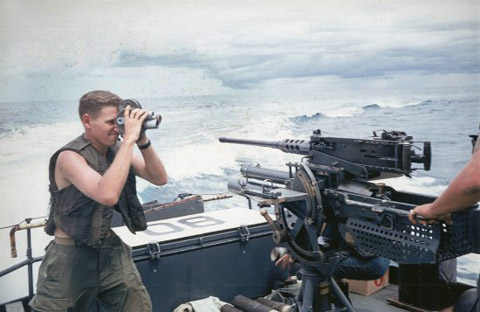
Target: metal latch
column 244, row 233
column 154, row 250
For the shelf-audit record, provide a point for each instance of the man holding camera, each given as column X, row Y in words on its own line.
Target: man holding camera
column 89, row 177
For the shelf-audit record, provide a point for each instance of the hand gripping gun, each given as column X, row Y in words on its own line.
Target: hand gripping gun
column 334, row 184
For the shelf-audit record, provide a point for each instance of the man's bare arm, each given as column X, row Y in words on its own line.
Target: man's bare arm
column 462, row 192
column 104, row 189
column 149, row 166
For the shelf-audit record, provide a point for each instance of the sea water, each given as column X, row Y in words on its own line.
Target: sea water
column 187, row 143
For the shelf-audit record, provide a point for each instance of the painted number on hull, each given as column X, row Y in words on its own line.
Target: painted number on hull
column 192, row 222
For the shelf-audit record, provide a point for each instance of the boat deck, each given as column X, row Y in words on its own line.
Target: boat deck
column 376, row 302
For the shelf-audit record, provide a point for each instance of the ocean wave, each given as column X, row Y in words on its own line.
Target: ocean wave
column 213, row 158
column 425, row 185
column 337, row 112
column 421, row 104
column 40, row 140
column 371, row 107
column 190, row 161
column 401, row 104
column 304, row 118
column 24, row 166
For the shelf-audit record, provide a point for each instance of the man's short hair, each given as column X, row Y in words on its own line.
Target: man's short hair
column 92, row 102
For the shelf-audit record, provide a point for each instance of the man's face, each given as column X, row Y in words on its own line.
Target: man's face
column 103, row 128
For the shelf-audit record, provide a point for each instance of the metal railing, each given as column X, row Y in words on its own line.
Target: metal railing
column 30, row 259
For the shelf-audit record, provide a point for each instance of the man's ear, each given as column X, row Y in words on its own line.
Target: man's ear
column 87, row 121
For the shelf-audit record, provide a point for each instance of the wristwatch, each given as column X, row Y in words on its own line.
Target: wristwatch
column 145, row 146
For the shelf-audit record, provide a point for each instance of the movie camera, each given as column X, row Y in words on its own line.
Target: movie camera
column 151, row 122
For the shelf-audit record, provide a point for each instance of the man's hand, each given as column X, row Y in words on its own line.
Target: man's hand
column 133, row 123
column 285, row 261
column 427, row 211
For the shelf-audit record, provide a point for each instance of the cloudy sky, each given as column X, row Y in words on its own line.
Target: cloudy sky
column 55, row 50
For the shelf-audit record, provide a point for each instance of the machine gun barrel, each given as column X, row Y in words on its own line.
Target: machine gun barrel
column 288, row 145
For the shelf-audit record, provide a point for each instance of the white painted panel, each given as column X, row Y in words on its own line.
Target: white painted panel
column 191, row 225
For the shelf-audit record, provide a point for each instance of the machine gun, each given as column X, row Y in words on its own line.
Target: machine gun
column 334, row 184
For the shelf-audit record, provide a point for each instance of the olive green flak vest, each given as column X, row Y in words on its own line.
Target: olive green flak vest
column 79, row 216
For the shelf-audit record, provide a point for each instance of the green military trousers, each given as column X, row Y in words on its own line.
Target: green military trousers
column 71, row 276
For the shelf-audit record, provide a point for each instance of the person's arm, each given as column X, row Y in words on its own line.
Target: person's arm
column 462, row 192
column 284, row 261
column 149, row 166
column 104, row 189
